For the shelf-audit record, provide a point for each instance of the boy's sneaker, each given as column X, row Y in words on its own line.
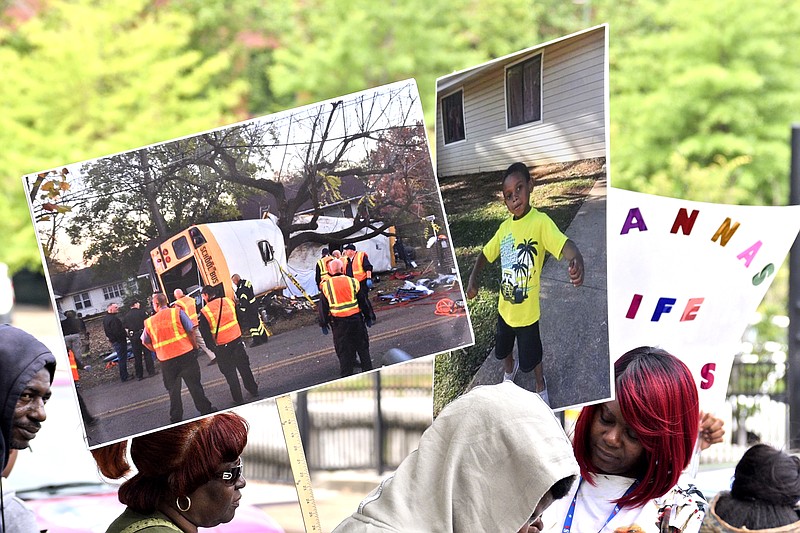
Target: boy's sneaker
column 543, row 393
column 510, row 376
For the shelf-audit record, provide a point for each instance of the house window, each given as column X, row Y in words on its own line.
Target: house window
column 82, row 300
column 524, row 92
column 113, row 291
column 453, row 117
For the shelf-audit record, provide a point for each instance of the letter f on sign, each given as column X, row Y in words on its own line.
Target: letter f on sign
column 664, row 305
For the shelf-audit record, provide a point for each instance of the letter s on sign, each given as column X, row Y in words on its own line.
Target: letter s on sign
column 707, row 374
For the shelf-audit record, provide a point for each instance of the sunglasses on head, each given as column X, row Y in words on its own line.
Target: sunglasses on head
column 232, row 475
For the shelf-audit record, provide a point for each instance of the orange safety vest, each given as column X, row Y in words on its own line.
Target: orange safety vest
column 323, row 268
column 340, row 291
column 358, row 266
column 189, row 306
column 167, row 335
column 73, row 366
column 228, row 329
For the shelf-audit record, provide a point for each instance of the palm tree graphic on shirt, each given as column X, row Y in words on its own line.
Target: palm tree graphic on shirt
column 525, row 266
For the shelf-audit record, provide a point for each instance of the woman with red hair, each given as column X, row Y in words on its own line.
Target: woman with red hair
column 632, row 450
column 188, row 476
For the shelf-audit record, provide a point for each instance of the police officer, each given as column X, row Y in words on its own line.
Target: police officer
column 349, row 313
column 220, row 329
column 168, row 333
column 134, row 325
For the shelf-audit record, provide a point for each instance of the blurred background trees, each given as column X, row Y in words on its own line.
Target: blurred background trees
column 701, row 99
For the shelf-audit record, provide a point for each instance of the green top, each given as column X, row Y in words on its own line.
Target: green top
column 130, row 521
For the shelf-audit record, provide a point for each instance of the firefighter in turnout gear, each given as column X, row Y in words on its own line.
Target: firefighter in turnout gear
column 248, row 311
column 221, row 331
column 349, row 314
column 168, row 333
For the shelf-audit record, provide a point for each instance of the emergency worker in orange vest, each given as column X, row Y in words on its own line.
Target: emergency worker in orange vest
column 349, row 313
column 358, row 266
column 189, row 306
column 88, row 419
column 322, row 267
column 221, row 331
column 168, row 333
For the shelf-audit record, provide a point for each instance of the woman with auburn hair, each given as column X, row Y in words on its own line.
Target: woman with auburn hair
column 188, row 476
column 632, row 450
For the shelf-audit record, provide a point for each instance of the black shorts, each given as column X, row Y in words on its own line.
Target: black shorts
column 529, row 343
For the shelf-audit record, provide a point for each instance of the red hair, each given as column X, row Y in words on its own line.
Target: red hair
column 174, row 461
column 657, row 396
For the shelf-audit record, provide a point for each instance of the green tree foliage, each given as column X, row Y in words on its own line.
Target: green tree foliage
column 702, row 98
column 342, row 46
column 90, row 79
column 249, row 31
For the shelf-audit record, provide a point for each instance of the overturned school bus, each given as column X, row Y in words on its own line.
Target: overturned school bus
column 209, row 254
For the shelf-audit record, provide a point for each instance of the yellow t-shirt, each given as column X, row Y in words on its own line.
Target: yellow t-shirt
column 521, row 245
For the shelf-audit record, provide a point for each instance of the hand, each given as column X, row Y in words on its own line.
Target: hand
column 369, row 321
column 576, row 271
column 711, row 430
column 534, row 527
column 369, row 283
column 324, row 330
column 472, row 290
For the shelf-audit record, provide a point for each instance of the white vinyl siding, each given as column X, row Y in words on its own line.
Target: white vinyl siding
column 573, row 111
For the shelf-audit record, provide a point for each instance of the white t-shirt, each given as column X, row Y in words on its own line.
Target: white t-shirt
column 595, row 503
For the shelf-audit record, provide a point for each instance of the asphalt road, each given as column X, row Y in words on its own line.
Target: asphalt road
column 291, row 361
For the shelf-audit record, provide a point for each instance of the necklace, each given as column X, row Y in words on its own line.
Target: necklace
column 571, row 512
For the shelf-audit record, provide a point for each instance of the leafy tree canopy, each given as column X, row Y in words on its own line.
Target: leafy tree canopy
column 90, row 80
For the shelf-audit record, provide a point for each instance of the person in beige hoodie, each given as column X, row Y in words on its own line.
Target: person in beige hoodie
column 485, row 464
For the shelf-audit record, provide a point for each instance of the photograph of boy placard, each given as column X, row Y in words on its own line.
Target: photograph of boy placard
column 521, row 162
column 249, row 261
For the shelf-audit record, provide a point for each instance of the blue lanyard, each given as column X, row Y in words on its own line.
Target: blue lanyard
column 571, row 512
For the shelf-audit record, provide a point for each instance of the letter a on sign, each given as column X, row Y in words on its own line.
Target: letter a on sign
column 633, row 220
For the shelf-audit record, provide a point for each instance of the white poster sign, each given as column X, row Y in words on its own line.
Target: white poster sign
column 687, row 277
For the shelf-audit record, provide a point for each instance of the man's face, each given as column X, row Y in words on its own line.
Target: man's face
column 29, row 412
column 113, row 308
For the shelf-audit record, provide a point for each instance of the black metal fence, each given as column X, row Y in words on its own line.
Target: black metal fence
column 370, row 421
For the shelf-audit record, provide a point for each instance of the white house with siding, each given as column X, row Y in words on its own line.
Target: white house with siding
column 545, row 104
column 86, row 292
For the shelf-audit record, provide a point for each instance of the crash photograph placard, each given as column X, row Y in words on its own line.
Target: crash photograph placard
column 249, row 261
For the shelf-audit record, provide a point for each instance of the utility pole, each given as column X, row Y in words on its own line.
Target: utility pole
column 793, row 367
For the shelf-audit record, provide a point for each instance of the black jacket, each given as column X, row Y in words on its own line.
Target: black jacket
column 112, row 325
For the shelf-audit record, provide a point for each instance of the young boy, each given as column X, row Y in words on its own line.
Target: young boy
column 521, row 243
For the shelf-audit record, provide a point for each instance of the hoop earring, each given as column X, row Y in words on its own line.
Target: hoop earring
column 178, row 503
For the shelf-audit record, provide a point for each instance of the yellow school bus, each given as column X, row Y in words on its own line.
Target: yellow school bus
column 209, row 254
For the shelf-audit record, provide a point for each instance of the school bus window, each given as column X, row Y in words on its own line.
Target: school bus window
column 181, row 247
column 197, row 237
column 267, row 253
